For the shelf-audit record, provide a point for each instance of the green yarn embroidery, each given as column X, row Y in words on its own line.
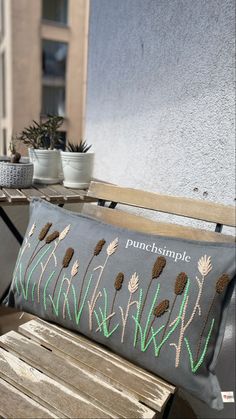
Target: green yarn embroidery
column 195, row 367
column 104, row 324
column 78, row 312
column 45, row 289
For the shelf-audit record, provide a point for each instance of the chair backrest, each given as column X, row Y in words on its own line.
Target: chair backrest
column 201, row 210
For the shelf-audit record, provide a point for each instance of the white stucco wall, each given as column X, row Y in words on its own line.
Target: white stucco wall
column 160, row 102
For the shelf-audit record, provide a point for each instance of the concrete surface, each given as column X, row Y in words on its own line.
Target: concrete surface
column 160, row 103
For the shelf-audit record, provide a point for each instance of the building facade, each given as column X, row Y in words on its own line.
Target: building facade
column 43, row 59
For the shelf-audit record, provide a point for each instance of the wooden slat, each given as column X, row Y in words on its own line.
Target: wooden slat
column 200, row 210
column 14, row 195
column 144, row 225
column 14, row 404
column 32, row 192
column 75, row 376
column 2, row 196
column 122, row 374
column 66, row 192
column 48, row 392
column 49, row 193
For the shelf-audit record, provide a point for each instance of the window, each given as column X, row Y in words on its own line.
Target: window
column 55, row 10
column 3, row 85
column 54, row 58
column 53, row 101
column 54, row 55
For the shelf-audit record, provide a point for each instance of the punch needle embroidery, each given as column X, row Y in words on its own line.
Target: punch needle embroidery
column 65, row 263
column 157, row 270
column 220, row 287
column 111, row 249
column 61, row 237
column 117, row 285
column 73, row 273
column 180, row 284
column 96, row 252
column 132, row 287
column 204, row 267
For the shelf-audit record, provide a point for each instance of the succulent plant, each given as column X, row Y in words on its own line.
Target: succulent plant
column 82, row 147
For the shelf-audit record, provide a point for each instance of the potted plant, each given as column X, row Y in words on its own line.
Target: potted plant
column 42, row 140
column 77, row 165
column 15, row 173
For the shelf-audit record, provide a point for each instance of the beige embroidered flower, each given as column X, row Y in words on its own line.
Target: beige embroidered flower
column 111, row 248
column 75, row 268
column 64, row 233
column 133, row 283
column 204, row 265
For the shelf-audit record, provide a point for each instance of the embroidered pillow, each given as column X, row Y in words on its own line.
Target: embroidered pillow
column 158, row 301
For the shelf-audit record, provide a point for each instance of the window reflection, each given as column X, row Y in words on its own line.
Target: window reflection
column 55, row 10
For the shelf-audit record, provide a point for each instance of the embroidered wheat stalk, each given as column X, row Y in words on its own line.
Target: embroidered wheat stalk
column 157, row 269
column 132, row 287
column 158, row 311
column 96, row 252
column 26, row 245
column 111, row 249
column 204, row 267
column 220, row 287
column 74, row 271
column 36, row 250
column 50, row 238
column 180, row 284
column 117, row 285
column 65, row 263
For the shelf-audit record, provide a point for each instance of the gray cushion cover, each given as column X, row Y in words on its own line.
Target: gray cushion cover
column 158, row 301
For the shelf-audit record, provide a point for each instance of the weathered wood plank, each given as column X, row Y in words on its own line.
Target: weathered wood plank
column 186, row 207
column 2, row 196
column 14, row 404
column 122, row 374
column 49, row 193
column 76, row 376
column 32, row 192
column 144, row 225
column 14, row 195
column 61, row 400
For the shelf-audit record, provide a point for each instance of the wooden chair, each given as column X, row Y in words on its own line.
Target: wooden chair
column 60, row 373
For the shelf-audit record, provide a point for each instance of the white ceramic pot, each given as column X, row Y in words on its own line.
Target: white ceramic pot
column 77, row 169
column 46, row 165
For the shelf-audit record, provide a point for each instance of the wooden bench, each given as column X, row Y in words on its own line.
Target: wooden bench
column 46, row 371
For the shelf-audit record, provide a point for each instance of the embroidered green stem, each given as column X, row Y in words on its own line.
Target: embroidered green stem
column 32, row 271
column 32, row 292
column 66, row 298
column 145, row 335
column 45, row 289
column 105, row 318
column 44, row 268
column 67, row 306
column 77, row 312
column 204, row 327
column 92, row 303
column 137, row 316
column 56, row 306
column 195, row 367
column 82, row 283
column 169, row 317
column 183, row 304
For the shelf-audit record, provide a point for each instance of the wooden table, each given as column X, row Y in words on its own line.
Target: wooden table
column 47, row 371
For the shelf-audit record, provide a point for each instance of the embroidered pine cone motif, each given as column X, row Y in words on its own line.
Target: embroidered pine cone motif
column 180, row 283
column 161, row 308
column 119, row 281
column 222, row 283
column 158, row 267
